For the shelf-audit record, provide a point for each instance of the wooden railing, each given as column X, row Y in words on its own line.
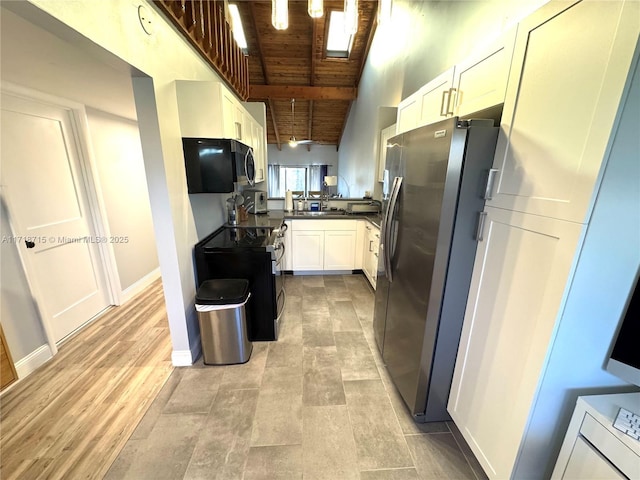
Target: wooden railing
column 203, row 23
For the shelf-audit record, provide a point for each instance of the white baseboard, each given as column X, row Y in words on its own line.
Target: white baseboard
column 28, row 364
column 130, row 292
column 185, row 358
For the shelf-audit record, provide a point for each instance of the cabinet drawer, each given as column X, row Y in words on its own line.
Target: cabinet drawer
column 315, row 224
column 608, row 445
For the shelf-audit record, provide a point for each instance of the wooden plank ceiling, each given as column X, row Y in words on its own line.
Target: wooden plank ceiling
column 291, row 63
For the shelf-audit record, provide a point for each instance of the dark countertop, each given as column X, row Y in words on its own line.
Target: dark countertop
column 274, row 218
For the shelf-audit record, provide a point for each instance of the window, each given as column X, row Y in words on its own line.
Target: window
column 300, row 178
column 338, row 42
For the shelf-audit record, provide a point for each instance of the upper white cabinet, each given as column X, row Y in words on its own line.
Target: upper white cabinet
column 385, row 134
column 431, row 103
column 436, row 99
column 481, row 80
column 209, row 110
column 569, row 70
column 257, row 116
column 476, row 83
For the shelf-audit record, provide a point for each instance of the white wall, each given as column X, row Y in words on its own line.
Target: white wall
column 32, row 57
column 111, row 32
column 422, row 40
column 115, row 144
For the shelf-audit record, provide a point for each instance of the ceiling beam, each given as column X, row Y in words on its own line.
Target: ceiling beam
column 275, row 124
column 301, row 92
column 258, row 44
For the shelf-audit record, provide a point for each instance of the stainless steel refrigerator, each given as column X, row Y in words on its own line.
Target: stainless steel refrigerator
column 437, row 184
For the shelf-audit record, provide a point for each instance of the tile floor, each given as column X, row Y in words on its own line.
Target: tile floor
column 316, row 404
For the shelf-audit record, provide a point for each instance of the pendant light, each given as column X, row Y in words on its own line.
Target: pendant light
column 350, row 16
column 315, row 8
column 292, row 140
column 280, row 14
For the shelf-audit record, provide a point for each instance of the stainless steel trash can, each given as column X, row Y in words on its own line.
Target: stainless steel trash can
column 223, row 325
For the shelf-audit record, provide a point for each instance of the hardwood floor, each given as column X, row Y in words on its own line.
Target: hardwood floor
column 71, row 417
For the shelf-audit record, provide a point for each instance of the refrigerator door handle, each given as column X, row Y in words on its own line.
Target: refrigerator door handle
column 391, row 207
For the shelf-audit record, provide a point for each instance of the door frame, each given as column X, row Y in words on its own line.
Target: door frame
column 88, row 180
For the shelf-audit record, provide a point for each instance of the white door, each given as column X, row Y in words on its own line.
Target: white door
column 481, row 80
column 566, row 82
column 49, row 214
column 339, row 250
column 437, row 98
column 308, row 250
column 521, row 268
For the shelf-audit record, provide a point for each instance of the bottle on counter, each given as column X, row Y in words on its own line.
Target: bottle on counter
column 300, row 205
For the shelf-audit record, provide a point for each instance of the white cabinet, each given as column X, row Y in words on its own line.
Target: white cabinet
column 307, row 249
column 564, row 91
column 481, row 80
column 209, row 110
column 371, row 252
column 431, row 103
column 339, row 250
column 257, row 119
column 385, row 134
column 565, row 85
column 593, row 448
column 323, row 245
column 519, row 276
column 437, row 98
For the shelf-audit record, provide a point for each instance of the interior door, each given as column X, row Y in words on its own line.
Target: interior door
column 49, row 213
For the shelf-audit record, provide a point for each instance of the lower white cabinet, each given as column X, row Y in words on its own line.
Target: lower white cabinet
column 593, row 448
column 370, row 255
column 339, row 250
column 323, row 245
column 308, row 249
column 522, row 266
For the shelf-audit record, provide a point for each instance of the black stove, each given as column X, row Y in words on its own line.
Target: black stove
column 254, row 254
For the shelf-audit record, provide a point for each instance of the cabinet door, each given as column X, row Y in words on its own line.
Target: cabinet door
column 339, row 250
column 259, row 152
column 521, row 268
column 437, row 99
column 481, row 80
column 586, row 463
column 200, row 109
column 385, row 134
column 567, row 79
column 308, row 250
column 229, row 115
column 408, row 114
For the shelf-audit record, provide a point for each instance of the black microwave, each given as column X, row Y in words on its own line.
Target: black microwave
column 213, row 165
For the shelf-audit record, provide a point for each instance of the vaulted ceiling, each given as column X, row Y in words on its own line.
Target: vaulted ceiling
column 292, row 64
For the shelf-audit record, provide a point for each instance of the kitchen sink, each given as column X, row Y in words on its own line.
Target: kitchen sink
column 322, row 213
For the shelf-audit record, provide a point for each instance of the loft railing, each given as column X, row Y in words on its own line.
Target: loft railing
column 204, row 24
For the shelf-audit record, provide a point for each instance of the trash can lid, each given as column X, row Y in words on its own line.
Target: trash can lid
column 223, row 291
